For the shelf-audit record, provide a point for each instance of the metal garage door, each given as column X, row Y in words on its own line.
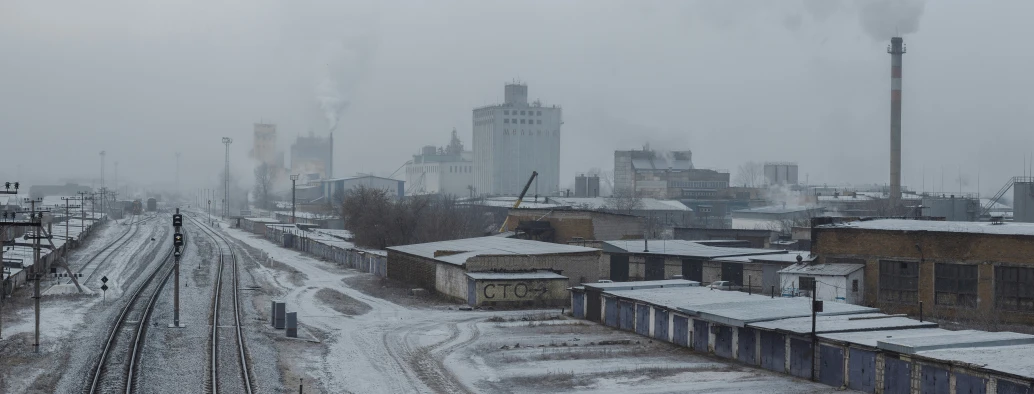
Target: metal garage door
column 897, row 376
column 619, row 267
column 800, row 358
column 472, row 292
column 733, row 272
column 831, row 365
column 592, row 305
column 773, row 351
column 693, row 270
column 1009, row 387
column 654, row 268
column 723, row 341
column 660, row 324
column 680, row 330
column 578, row 304
column 862, row 370
column 700, row 335
column 610, row 310
column 626, row 315
column 642, row 319
column 747, row 345
column 934, row 380
column 969, row 384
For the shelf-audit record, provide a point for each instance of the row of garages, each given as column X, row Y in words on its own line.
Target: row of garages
column 18, row 256
column 323, row 246
column 858, row 347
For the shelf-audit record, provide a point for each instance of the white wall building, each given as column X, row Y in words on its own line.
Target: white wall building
column 513, row 139
column 447, row 170
column 839, row 282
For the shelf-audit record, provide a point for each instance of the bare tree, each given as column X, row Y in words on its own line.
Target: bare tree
column 751, row 174
column 378, row 220
column 625, row 200
column 263, row 185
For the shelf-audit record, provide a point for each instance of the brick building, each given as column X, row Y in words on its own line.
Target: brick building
column 566, row 225
column 964, row 270
column 447, row 267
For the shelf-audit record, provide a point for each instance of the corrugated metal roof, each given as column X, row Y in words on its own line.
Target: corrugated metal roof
column 822, row 269
column 471, row 247
column 677, row 247
column 515, row 275
column 1011, row 228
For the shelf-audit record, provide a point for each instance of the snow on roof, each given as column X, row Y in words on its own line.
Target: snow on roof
column 854, row 198
column 345, row 234
column 954, row 340
column 733, row 308
column 869, row 338
column 1009, row 359
column 464, row 249
column 647, row 204
column 515, row 275
column 779, row 209
column 790, row 257
column 508, row 203
column 677, row 247
column 650, row 284
column 1011, row 228
column 839, row 269
column 844, row 323
column 262, row 220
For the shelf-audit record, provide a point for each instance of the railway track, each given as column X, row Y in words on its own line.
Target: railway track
column 238, row 359
column 119, row 360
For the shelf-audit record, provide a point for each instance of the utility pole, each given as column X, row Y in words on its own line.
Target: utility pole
column 68, row 216
column 294, row 178
column 226, row 178
column 102, row 168
column 36, row 223
column 115, row 180
column 3, row 237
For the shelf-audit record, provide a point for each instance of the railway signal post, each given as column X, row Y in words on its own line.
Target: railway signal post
column 177, row 244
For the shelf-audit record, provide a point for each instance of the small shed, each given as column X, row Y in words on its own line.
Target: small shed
column 839, row 282
column 516, row 289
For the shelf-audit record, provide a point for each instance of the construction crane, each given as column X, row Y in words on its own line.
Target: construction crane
column 519, row 199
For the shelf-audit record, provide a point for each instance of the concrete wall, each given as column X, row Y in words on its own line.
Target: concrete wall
column 451, row 280
column 515, row 292
column 757, row 238
column 578, row 267
column 1023, row 202
column 416, row 270
column 983, row 250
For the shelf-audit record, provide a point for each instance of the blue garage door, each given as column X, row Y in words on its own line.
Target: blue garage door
column 626, row 315
column 934, row 380
column 723, row 341
column 773, row 351
column 747, row 345
column 680, row 330
column 578, row 304
column 610, row 307
column 969, row 384
column 831, row 365
column 660, row 324
column 700, row 335
column 897, row 376
column 800, row 358
column 1009, row 387
column 642, row 319
column 862, row 370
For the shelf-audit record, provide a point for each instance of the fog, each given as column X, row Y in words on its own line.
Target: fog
column 805, row 81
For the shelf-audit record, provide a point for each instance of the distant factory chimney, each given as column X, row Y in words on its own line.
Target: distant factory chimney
column 896, row 49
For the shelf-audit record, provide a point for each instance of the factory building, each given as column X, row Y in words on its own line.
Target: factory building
column 976, row 271
column 638, row 260
column 952, row 208
column 448, row 170
column 334, row 189
column 665, row 175
column 495, row 270
column 781, row 173
column 586, row 185
column 264, row 149
column 312, row 157
column 513, row 139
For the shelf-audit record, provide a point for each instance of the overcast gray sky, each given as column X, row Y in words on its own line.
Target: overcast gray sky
column 794, row 80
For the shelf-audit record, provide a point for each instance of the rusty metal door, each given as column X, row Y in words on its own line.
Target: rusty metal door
column 861, row 370
column 748, row 345
column 660, row 324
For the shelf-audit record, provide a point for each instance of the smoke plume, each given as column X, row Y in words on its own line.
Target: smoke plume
column 347, row 63
column 882, row 19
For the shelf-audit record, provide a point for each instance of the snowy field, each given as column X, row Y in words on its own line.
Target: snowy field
column 358, row 333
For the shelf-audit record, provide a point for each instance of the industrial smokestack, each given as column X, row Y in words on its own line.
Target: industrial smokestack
column 896, row 49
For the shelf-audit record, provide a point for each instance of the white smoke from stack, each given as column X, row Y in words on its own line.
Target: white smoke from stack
column 882, row 19
column 347, row 64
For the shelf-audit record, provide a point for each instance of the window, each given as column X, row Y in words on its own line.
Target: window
column 955, row 285
column 506, row 112
column 539, row 113
column 807, row 283
column 899, row 281
column 506, row 120
column 1014, row 289
column 539, row 121
column 522, row 112
column 522, row 121
column 854, row 286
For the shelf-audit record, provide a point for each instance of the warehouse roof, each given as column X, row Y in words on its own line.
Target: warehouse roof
column 779, row 209
column 1011, row 228
column 458, row 251
column 678, row 247
column 515, row 275
column 822, row 269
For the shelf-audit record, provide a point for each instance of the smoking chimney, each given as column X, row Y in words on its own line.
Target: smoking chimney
column 896, row 49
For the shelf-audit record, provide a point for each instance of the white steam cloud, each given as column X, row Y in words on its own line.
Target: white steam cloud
column 347, row 64
column 882, row 19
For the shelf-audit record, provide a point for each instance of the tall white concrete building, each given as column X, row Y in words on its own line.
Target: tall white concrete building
column 446, row 170
column 513, row 139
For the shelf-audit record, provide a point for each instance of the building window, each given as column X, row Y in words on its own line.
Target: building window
column 522, row 121
column 522, row 112
column 539, row 113
column 506, row 120
column 899, row 281
column 807, row 283
column 506, row 112
column 538, row 121
column 955, row 285
column 1014, row 289
column 854, row 286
